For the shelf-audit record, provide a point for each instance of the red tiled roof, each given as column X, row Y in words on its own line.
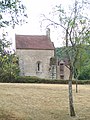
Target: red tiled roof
column 33, row 42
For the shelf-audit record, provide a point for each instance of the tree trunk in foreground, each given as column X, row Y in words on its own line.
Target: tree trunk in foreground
column 72, row 112
column 76, row 86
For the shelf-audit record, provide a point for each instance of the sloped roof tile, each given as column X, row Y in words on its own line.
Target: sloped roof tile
column 33, row 42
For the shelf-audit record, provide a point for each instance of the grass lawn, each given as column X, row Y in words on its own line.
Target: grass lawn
column 42, row 102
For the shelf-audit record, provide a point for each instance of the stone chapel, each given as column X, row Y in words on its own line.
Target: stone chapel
column 37, row 57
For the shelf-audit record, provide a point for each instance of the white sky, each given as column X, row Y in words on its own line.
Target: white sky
column 34, row 10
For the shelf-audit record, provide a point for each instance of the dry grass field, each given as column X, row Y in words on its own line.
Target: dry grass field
column 42, row 102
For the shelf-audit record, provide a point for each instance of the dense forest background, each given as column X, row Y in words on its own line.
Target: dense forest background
column 83, row 61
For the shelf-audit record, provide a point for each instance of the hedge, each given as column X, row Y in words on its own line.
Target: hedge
column 28, row 79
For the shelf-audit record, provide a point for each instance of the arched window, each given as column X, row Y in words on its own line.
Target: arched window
column 39, row 66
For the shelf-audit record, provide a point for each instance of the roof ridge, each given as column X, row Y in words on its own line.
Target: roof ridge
column 29, row 35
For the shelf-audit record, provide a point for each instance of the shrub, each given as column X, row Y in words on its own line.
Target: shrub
column 28, row 79
column 7, row 78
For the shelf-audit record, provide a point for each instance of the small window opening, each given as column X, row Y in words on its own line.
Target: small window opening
column 38, row 66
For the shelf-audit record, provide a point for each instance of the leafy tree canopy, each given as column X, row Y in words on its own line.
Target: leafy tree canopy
column 12, row 12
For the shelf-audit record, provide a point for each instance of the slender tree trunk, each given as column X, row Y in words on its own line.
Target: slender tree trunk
column 72, row 112
column 76, row 85
column 76, row 78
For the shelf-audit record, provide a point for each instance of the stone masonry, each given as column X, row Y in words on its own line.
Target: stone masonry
column 28, row 62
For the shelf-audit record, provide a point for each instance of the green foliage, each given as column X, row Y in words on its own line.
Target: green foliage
column 76, row 28
column 82, row 66
column 60, row 52
column 9, row 66
column 11, row 13
column 52, row 61
column 29, row 79
column 85, row 73
column 8, row 61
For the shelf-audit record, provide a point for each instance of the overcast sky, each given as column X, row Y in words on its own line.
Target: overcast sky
column 34, row 10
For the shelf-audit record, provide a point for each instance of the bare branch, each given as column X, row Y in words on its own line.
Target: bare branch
column 53, row 22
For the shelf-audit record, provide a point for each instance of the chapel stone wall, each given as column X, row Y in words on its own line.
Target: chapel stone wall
column 28, row 62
